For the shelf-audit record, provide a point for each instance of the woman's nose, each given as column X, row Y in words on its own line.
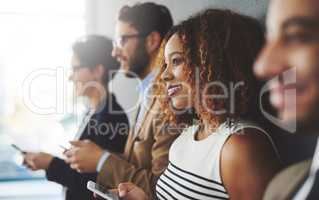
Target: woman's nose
column 167, row 74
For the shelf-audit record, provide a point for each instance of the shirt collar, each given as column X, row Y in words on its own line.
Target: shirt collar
column 144, row 84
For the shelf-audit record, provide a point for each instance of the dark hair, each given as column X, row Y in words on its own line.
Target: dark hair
column 93, row 50
column 147, row 17
column 222, row 45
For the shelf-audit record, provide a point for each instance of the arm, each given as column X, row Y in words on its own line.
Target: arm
column 248, row 162
column 117, row 170
column 60, row 172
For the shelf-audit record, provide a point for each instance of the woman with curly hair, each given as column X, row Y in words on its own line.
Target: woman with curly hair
column 207, row 82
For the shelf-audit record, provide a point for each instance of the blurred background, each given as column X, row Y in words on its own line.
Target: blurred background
column 37, row 110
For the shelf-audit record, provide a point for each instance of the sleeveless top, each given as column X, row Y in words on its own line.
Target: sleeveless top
column 194, row 166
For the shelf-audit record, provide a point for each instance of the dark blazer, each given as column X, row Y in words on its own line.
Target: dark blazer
column 74, row 182
column 286, row 184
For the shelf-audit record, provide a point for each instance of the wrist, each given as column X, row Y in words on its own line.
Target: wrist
column 102, row 160
column 99, row 154
column 49, row 159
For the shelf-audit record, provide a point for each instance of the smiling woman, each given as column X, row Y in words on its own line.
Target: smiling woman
column 200, row 58
column 212, row 68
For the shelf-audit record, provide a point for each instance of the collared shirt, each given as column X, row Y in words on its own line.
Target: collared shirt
column 97, row 113
column 106, row 128
column 307, row 186
column 144, row 88
column 84, row 122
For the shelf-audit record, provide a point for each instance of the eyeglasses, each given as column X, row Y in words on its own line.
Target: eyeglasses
column 122, row 40
column 77, row 68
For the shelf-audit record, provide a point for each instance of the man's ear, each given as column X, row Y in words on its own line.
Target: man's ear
column 153, row 42
column 99, row 71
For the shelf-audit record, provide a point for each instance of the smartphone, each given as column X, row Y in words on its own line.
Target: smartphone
column 63, row 147
column 101, row 191
column 18, row 149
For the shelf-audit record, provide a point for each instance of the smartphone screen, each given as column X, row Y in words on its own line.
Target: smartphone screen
column 101, row 191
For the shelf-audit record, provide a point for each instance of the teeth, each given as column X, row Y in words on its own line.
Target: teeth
column 173, row 90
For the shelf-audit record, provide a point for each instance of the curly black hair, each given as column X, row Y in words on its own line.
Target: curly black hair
column 220, row 45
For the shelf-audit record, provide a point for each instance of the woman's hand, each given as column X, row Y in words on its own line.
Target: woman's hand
column 129, row 191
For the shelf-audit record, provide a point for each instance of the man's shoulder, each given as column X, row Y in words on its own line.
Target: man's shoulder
column 300, row 169
column 286, row 182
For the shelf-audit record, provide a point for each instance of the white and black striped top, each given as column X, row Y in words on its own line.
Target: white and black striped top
column 194, row 166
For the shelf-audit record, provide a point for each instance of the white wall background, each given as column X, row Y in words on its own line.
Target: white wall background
column 101, row 15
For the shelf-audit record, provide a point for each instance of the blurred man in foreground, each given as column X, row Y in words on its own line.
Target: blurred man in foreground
column 290, row 60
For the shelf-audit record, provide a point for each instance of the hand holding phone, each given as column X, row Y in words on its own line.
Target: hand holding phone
column 63, row 147
column 18, row 149
column 101, row 191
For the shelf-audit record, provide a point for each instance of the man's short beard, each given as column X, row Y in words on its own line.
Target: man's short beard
column 139, row 61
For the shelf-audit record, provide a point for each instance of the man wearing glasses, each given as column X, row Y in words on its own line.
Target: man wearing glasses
column 138, row 35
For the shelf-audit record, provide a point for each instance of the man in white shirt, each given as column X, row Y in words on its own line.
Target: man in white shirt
column 290, row 59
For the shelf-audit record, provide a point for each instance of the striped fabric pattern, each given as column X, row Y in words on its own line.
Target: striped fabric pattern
column 194, row 165
column 176, row 183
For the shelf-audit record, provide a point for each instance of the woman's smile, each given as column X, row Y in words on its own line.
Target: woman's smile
column 172, row 90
